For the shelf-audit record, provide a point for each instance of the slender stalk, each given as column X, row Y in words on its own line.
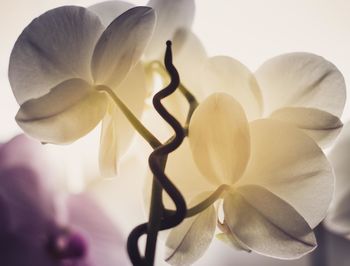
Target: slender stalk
column 157, row 161
column 140, row 128
column 155, row 217
column 205, row 203
column 193, row 105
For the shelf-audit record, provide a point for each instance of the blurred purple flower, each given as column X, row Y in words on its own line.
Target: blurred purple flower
column 31, row 232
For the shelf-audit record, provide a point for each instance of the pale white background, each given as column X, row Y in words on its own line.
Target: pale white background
column 250, row 31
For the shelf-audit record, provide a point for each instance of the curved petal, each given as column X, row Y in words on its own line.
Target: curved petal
column 225, row 74
column 187, row 242
column 323, row 127
column 69, row 111
column 171, row 16
column 54, row 47
column 106, row 244
column 108, row 153
column 117, row 132
column 109, row 10
column 27, row 214
column 121, row 46
column 219, row 138
column 338, row 219
column 189, row 57
column 29, row 206
column 290, row 164
column 21, row 151
column 302, row 80
column 267, row 224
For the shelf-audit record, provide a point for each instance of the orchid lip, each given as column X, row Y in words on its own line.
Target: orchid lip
column 67, row 245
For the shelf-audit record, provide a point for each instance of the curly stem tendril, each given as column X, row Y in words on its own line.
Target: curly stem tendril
column 161, row 218
column 157, row 161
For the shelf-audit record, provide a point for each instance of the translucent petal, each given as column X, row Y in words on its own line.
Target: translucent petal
column 188, row 241
column 171, row 16
column 117, row 132
column 219, row 138
column 109, row 10
column 28, row 205
column 21, row 151
column 338, row 219
column 189, row 57
column 290, row 164
column 106, row 243
column 323, row 127
column 267, row 224
column 225, row 74
column 108, row 153
column 68, row 112
column 54, row 47
column 121, row 46
column 302, row 80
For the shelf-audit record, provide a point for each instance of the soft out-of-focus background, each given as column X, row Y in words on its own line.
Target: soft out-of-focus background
column 251, row 31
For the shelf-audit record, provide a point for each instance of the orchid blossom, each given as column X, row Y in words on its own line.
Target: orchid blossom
column 63, row 64
column 303, row 89
column 233, row 159
column 174, row 19
column 35, row 230
column 275, row 182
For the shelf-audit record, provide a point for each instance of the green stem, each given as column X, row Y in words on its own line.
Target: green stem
column 208, row 201
column 140, row 128
column 205, row 203
column 193, row 105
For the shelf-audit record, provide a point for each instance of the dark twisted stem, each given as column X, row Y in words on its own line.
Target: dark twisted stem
column 157, row 160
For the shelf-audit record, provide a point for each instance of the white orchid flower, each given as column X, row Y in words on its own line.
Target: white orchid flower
column 61, row 61
column 172, row 16
column 275, row 180
column 338, row 218
column 299, row 88
column 174, row 20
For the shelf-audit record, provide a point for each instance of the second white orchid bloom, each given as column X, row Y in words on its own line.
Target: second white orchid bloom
column 277, row 184
column 62, row 59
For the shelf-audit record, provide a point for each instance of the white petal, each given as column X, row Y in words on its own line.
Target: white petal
column 219, row 138
column 55, row 47
column 302, row 80
column 189, row 57
column 188, row 241
column 338, row 219
column 225, row 74
column 171, row 16
column 117, row 132
column 121, row 46
column 68, row 112
column 108, row 153
column 109, row 10
column 290, row 164
column 323, row 127
column 267, row 224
